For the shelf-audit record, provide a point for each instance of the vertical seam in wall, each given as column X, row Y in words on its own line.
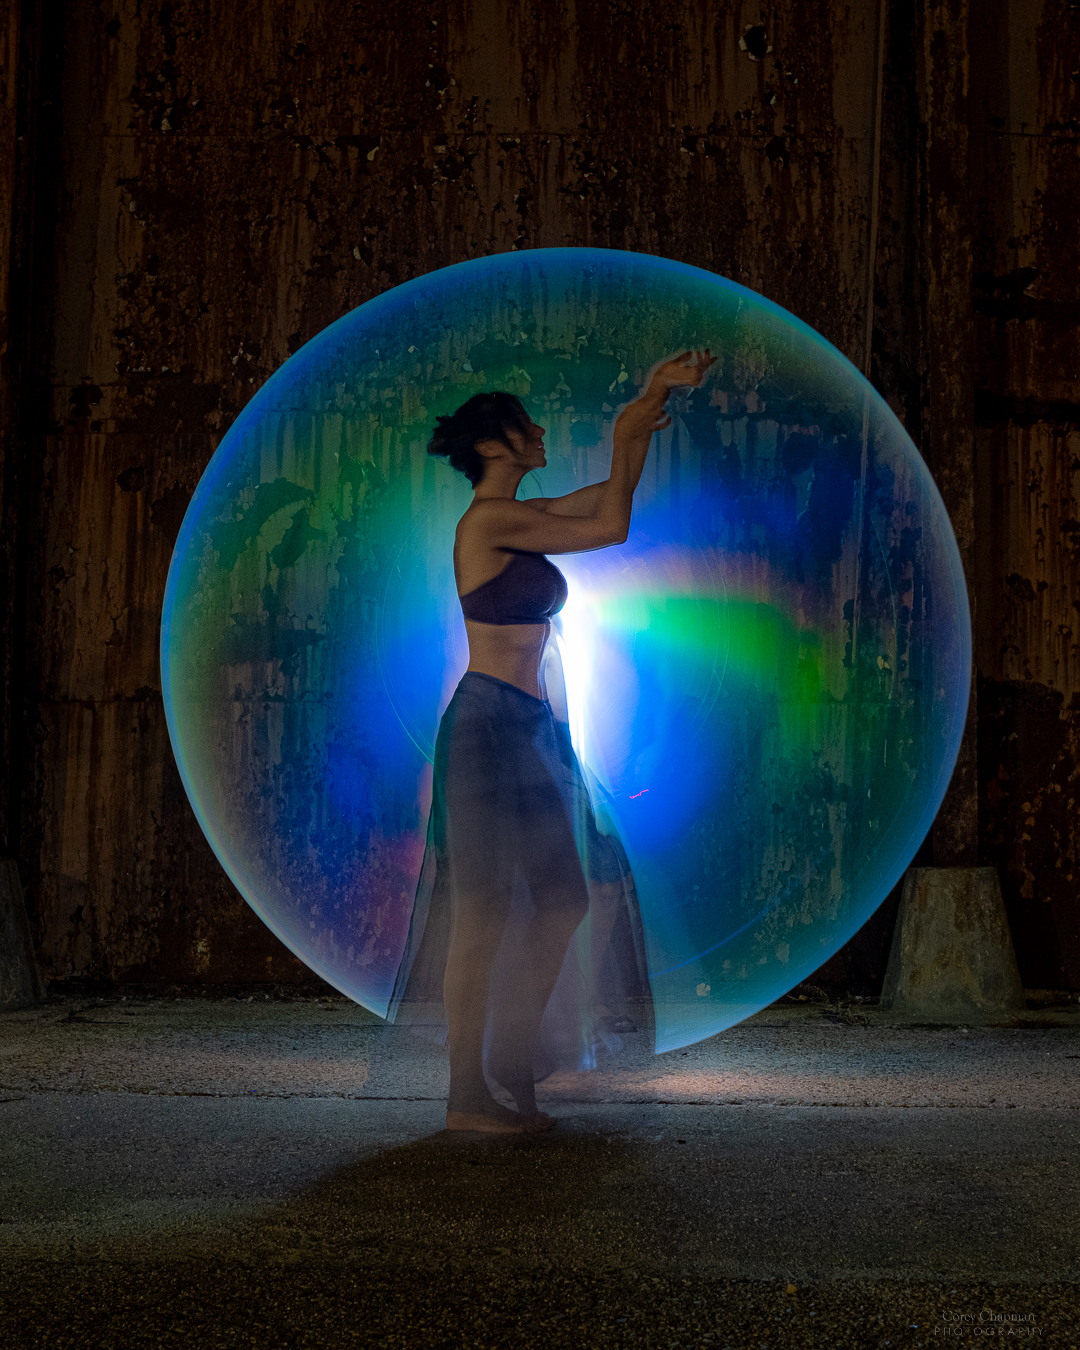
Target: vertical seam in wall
column 875, row 187
column 871, row 268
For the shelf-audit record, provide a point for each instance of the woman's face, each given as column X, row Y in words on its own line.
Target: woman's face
column 527, row 444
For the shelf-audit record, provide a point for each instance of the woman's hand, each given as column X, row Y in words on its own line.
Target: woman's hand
column 645, row 415
column 687, row 369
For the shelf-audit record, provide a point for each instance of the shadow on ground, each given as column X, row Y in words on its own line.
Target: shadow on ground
column 571, row 1240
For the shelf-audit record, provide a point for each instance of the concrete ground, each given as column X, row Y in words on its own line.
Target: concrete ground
column 197, row 1173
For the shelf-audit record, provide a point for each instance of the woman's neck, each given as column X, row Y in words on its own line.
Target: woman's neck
column 500, row 480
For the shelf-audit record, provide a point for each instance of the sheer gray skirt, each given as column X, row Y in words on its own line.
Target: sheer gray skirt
column 514, row 829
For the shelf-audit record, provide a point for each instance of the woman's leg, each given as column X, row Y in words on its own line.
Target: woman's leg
column 563, row 898
column 534, row 971
column 479, row 908
column 474, row 939
column 503, row 816
column 476, row 871
column 547, row 854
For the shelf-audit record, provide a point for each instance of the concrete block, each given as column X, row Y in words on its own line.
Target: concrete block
column 952, row 957
column 20, row 976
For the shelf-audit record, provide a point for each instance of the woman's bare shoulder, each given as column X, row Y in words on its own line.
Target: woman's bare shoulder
column 491, row 512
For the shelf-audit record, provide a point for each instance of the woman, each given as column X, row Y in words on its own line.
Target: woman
column 510, row 808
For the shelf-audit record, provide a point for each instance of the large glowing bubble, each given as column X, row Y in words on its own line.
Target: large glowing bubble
column 769, row 679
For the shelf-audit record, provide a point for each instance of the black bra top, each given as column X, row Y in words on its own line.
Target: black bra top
column 529, row 589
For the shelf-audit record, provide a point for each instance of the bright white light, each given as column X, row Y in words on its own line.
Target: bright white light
column 575, row 641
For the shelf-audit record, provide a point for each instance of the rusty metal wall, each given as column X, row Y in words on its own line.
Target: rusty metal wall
column 233, row 178
column 1025, row 120
column 10, row 205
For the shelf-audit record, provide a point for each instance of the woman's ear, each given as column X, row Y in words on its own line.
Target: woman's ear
column 490, row 449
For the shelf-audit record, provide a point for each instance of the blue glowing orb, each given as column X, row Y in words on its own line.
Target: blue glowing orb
column 769, row 679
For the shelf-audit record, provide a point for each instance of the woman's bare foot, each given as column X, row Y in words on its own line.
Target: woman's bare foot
column 497, row 1119
column 524, row 1095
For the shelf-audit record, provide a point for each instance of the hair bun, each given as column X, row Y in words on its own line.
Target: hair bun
column 441, row 442
column 482, row 417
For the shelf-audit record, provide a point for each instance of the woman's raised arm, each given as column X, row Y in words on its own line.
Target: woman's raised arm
column 598, row 515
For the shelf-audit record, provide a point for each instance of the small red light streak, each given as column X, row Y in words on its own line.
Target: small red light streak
column 634, row 795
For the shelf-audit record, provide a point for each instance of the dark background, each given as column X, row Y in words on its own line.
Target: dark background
column 191, row 190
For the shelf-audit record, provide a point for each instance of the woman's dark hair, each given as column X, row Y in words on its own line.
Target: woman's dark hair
column 484, row 417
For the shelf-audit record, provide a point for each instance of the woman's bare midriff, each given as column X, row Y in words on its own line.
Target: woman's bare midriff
column 510, row 652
